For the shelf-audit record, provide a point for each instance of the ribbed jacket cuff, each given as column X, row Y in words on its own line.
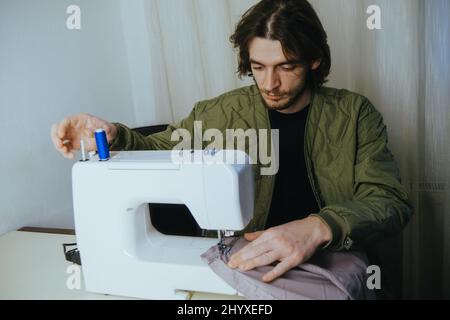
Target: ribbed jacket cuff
column 336, row 226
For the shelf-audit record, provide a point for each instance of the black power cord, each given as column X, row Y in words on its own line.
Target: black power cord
column 72, row 255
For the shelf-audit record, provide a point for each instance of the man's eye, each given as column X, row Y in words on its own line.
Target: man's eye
column 288, row 67
column 257, row 68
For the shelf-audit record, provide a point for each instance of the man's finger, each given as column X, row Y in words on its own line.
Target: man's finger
column 253, row 236
column 262, row 260
column 69, row 155
column 262, row 236
column 62, row 128
column 249, row 252
column 280, row 269
column 67, row 151
column 54, row 134
column 89, row 133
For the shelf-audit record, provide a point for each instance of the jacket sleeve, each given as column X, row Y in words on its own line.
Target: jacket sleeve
column 380, row 205
column 127, row 139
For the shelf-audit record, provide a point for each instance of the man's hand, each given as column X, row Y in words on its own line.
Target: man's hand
column 67, row 134
column 291, row 244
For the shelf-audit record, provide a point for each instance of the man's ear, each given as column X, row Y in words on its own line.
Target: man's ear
column 316, row 64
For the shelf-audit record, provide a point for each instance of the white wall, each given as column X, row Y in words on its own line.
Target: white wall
column 46, row 73
column 117, row 67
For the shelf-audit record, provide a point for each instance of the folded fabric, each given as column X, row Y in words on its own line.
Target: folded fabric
column 327, row 276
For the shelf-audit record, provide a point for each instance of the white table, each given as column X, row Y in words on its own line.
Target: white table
column 33, row 266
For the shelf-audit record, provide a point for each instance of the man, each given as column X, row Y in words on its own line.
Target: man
column 338, row 186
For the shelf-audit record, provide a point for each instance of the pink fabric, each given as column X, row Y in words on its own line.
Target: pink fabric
column 327, row 276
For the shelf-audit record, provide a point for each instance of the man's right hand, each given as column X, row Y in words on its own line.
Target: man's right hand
column 67, row 134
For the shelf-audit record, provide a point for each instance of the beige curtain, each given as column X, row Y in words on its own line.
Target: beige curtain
column 191, row 49
column 403, row 68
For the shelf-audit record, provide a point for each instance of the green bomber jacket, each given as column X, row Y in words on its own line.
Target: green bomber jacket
column 354, row 177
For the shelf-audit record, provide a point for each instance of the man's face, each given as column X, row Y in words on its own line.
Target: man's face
column 280, row 80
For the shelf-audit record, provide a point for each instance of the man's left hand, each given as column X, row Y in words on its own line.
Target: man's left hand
column 291, row 244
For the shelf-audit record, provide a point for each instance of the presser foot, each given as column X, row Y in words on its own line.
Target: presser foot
column 224, row 245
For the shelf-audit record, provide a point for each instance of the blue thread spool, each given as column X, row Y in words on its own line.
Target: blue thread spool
column 102, row 145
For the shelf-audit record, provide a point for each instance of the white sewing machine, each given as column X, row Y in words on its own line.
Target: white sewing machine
column 122, row 253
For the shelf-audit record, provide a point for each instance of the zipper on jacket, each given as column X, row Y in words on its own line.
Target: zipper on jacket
column 307, row 161
column 269, row 126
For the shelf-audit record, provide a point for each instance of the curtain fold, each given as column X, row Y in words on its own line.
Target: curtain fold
column 404, row 69
column 435, row 191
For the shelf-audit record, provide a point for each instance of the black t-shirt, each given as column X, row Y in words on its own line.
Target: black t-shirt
column 293, row 198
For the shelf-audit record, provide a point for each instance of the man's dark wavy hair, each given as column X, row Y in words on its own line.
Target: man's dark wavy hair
column 298, row 28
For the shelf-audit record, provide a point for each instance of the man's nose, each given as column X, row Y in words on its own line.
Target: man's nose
column 271, row 81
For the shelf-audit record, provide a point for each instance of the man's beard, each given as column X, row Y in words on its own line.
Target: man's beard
column 295, row 95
